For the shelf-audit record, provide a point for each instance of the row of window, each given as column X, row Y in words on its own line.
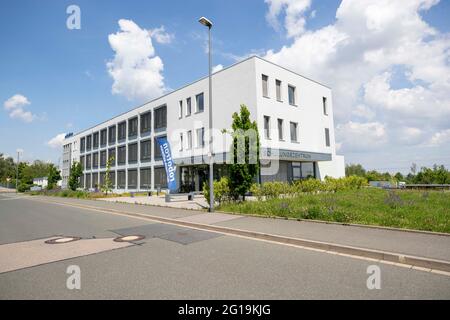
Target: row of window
column 292, row 92
column 293, row 130
column 186, row 111
column 200, row 141
column 122, row 179
column 118, row 133
column 118, row 156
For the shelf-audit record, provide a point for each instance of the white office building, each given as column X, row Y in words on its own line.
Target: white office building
column 294, row 116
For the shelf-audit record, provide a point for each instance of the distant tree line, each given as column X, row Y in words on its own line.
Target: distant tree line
column 27, row 172
column 437, row 174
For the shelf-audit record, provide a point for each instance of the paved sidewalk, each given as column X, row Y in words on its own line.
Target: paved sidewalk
column 408, row 243
column 176, row 201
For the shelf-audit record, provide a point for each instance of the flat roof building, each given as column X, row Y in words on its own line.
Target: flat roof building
column 294, row 116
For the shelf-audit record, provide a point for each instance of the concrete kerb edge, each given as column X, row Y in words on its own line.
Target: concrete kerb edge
column 394, row 257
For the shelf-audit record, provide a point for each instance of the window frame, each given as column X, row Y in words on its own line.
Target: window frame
column 133, row 123
column 265, row 85
column 294, row 95
column 197, row 104
column 142, row 154
column 144, row 121
column 279, row 90
column 280, row 126
column 296, row 140
column 120, row 125
column 266, row 130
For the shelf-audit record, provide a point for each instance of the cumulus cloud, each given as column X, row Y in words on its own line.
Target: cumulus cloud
column 161, row 36
column 57, row 141
column 357, row 54
column 135, row 69
column 15, row 107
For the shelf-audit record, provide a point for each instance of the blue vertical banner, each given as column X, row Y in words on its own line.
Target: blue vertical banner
column 168, row 163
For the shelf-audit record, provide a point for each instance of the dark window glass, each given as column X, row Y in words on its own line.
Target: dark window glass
column 95, row 140
column 267, row 127
column 327, row 137
column 95, row 180
column 82, row 162
column 112, row 154
column 199, row 99
column 265, row 85
column 121, row 155
column 103, row 158
column 121, row 179
column 188, row 106
column 112, row 134
column 122, row 131
column 102, row 178
column 103, row 134
column 146, row 147
column 146, row 119
column 160, row 118
column 82, row 144
column 112, row 178
column 160, row 177
column 132, row 153
column 132, row 127
column 291, row 94
column 146, row 178
column 95, row 160
column 294, row 133
column 308, row 170
column 132, row 179
column 88, row 143
column 88, row 181
column 280, row 129
column 278, row 87
column 324, row 102
column 82, row 182
column 88, row 162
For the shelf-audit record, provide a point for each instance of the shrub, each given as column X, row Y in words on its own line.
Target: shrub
column 222, row 190
column 309, row 185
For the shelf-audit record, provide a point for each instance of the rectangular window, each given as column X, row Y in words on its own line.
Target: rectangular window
column 95, row 160
column 200, row 137
column 146, row 178
column 146, row 122
column 88, row 181
column 160, row 118
column 294, row 133
column 82, row 162
column 132, row 179
column 96, row 140
column 121, row 155
column 180, row 109
column 291, row 93
column 112, row 155
column 158, row 155
column 188, row 107
column 308, row 170
column 112, row 178
column 296, row 171
column 132, row 153
column 122, row 131
column 82, row 182
column 95, row 180
column 160, row 177
column 89, row 142
column 82, row 144
column 280, row 129
column 278, row 86
column 103, row 158
column 189, row 139
column 327, row 137
column 265, row 85
column 103, row 134
column 88, row 162
column 102, row 178
column 132, row 127
column 324, row 102
column 112, row 134
column 200, row 102
column 146, row 147
column 267, row 127
column 121, row 179
column 181, row 141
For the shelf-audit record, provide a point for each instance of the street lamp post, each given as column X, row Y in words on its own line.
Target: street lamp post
column 207, row 23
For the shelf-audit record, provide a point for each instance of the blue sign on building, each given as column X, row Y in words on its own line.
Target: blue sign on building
column 168, row 163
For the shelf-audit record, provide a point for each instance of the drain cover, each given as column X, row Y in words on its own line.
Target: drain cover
column 129, row 238
column 62, row 240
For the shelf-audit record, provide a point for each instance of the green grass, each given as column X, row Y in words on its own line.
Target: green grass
column 420, row 210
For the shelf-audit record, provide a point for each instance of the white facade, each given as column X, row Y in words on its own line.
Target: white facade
column 310, row 111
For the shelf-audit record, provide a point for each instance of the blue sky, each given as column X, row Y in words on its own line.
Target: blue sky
column 65, row 79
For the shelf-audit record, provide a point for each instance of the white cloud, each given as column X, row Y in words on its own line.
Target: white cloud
column 217, row 68
column 359, row 136
column 57, row 141
column 440, row 138
column 294, row 10
column 161, row 36
column 15, row 106
column 135, row 69
column 356, row 56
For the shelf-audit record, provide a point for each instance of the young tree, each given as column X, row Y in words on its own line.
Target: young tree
column 355, row 170
column 245, row 152
column 107, row 184
column 75, row 173
column 53, row 177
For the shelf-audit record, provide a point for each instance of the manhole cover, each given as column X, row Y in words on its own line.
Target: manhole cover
column 129, row 238
column 62, row 240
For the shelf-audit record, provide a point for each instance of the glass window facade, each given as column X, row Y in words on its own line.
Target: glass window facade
column 146, row 122
column 132, row 179
column 146, row 147
column 160, row 118
column 132, row 153
column 121, row 155
column 145, row 178
column 122, row 131
column 132, row 127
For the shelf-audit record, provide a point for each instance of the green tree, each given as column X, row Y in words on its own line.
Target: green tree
column 53, row 176
column 355, row 170
column 399, row 177
column 75, row 173
column 107, row 185
column 7, row 169
column 245, row 152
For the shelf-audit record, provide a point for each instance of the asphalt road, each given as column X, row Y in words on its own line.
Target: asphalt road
column 180, row 263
